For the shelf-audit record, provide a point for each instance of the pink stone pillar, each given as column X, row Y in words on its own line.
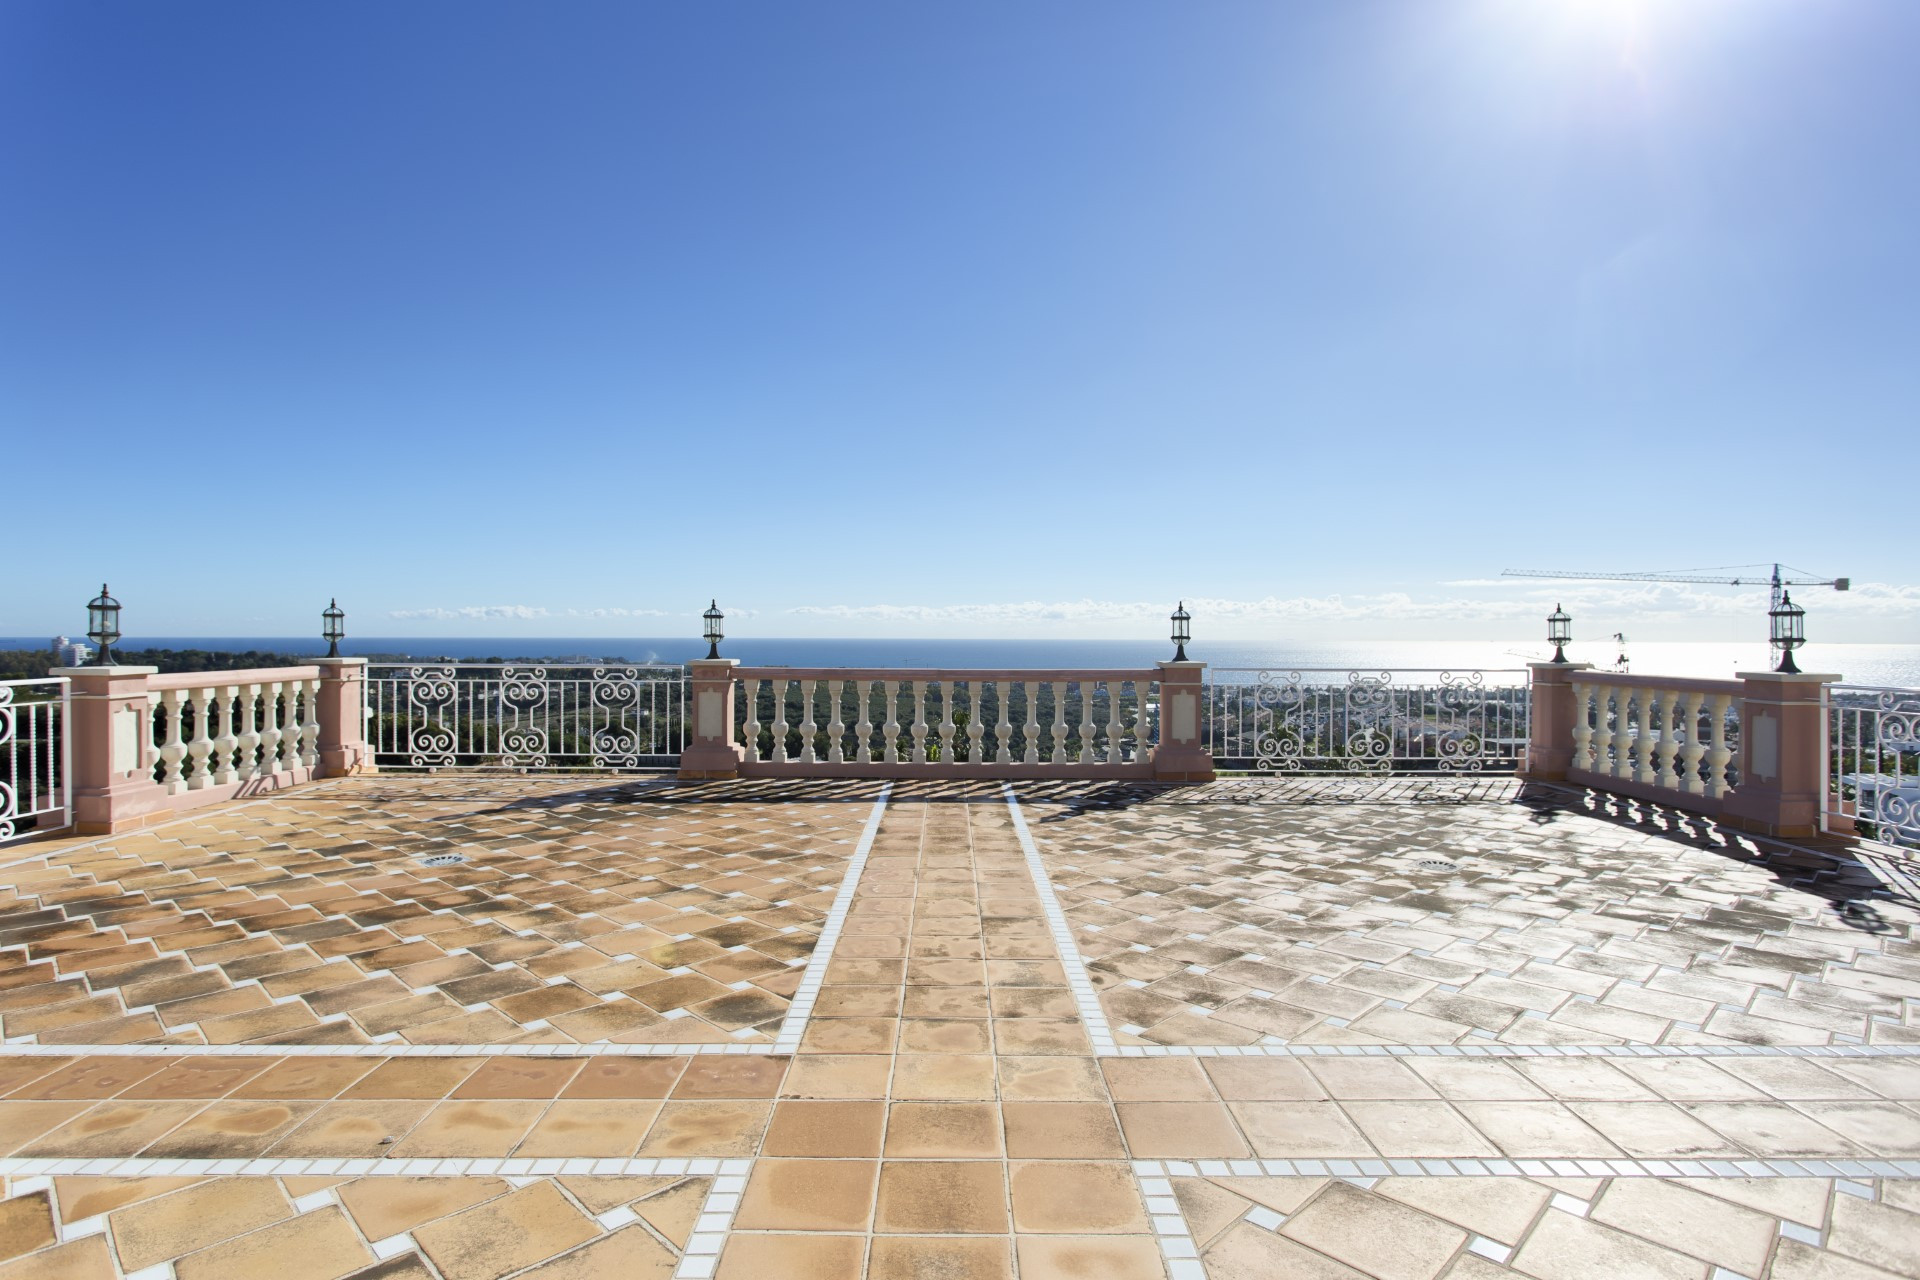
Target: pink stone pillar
column 1783, row 754
column 1550, row 736
column 111, row 741
column 343, row 718
column 711, row 751
column 1182, row 755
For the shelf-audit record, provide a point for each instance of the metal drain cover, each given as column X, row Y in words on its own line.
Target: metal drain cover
column 443, row 860
column 1437, row 864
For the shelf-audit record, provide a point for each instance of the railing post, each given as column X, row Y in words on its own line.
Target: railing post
column 110, row 736
column 711, row 751
column 1550, row 734
column 343, row 717
column 1181, row 756
column 1783, row 759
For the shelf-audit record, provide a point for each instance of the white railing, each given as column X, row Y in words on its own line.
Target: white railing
column 1668, row 739
column 802, row 720
column 214, row 729
column 1873, row 783
column 525, row 716
column 1336, row 720
column 34, row 774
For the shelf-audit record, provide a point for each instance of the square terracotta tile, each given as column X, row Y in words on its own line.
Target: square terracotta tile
column 359, row 1129
column 792, row 1257
column 200, row 1078
column 430, row 1078
column 233, row 1130
column 1062, row 1131
column 307, row 1078
column 808, row 1195
column 471, row 1127
column 825, row 1129
column 1090, row 1257
column 504, row 1235
column 385, row 1207
column 1076, row 1198
column 826, row 1075
column 949, row 1258
column 1158, row 1079
column 944, row 1076
column 730, row 1077
column 942, row 1197
column 616, row 1077
column 707, row 1129
column 1180, row 1131
column 524, row 1078
column 943, row 1130
column 1048, row 1079
column 112, row 1128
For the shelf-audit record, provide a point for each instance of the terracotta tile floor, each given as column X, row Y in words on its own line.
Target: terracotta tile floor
column 945, row 1114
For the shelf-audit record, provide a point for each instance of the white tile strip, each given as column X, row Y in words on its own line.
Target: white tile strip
column 1147, row 1171
column 794, row 1025
column 1513, row 1050
column 1092, row 1016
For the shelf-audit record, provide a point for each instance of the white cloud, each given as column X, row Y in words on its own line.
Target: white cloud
column 530, row 612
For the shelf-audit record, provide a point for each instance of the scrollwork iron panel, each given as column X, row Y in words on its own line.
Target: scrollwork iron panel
column 33, row 756
column 526, row 718
column 1349, row 721
column 1874, row 762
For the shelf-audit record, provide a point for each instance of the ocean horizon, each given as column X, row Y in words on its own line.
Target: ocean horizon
column 1895, row 665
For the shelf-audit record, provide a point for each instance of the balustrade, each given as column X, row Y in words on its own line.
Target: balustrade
column 196, row 746
column 947, row 720
column 1667, row 738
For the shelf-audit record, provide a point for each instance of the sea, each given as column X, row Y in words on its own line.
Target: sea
column 1886, row 665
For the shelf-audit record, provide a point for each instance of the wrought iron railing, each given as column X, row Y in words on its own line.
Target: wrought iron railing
column 525, row 717
column 1873, row 740
column 1334, row 720
column 34, row 784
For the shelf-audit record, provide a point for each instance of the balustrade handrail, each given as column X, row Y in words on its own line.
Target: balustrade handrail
column 947, row 673
column 1676, row 684
column 214, row 679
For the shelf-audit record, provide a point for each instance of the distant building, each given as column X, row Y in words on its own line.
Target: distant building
column 70, row 653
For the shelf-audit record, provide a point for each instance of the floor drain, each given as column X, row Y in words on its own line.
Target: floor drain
column 1437, row 864
column 443, row 860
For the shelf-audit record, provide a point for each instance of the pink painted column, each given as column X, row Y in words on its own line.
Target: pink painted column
column 1783, row 754
column 1550, row 735
column 1182, row 755
column 111, row 741
column 343, row 718
column 711, row 751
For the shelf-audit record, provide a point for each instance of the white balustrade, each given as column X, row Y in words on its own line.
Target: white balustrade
column 1668, row 737
column 209, row 732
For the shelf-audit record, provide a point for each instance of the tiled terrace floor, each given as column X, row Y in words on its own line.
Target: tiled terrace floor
column 744, row 1030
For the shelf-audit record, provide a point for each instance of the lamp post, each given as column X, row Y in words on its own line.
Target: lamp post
column 103, row 625
column 713, row 635
column 333, row 627
column 1559, row 631
column 1182, row 631
column 1788, row 632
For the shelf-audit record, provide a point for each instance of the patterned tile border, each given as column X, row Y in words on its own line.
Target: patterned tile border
column 794, row 1025
column 1486, row 1168
column 451, row 1167
column 1092, row 1016
column 786, row 1040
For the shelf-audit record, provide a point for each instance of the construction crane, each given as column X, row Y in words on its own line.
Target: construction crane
column 1778, row 583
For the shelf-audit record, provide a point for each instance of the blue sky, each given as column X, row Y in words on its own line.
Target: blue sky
column 995, row 319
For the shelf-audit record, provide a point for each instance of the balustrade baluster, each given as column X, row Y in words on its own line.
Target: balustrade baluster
column 1003, row 722
column 920, row 695
column 1116, row 697
column 863, row 741
column 1622, row 763
column 201, row 747
column 1670, row 704
column 976, row 723
column 809, row 694
column 290, row 726
column 1648, row 737
column 1060, row 722
column 247, row 761
column 1719, row 753
column 1030, row 731
column 173, row 748
column 310, row 726
column 750, row 694
column 1692, row 750
column 1088, row 690
column 1582, row 725
column 837, row 727
column 945, row 729
column 226, row 748
column 892, row 727
column 780, row 690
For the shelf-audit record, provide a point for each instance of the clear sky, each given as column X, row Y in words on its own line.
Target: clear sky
column 983, row 319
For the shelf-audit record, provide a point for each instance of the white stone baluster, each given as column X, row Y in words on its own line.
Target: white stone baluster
column 1670, row 704
column 1719, row 753
column 976, row 722
column 1003, row 725
column 310, row 726
column 1582, row 725
column 1060, row 722
column 1622, row 743
column 945, row 728
column 1648, row 740
column 892, row 727
column 1116, row 719
column 780, row 726
column 837, row 727
column 201, row 748
column 1692, row 750
column 1088, row 690
column 1030, row 731
column 920, row 696
column 173, row 748
column 226, row 747
column 291, row 728
column 750, row 692
column 246, row 747
column 809, row 694
column 863, row 742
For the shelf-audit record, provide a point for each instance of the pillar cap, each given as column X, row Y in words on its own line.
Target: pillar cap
column 1797, row 677
column 1560, row 666
column 114, row 671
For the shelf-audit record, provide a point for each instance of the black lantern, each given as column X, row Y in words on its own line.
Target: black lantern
column 1559, row 631
column 1789, row 631
column 1182, row 632
column 103, row 624
column 713, row 635
column 333, row 627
